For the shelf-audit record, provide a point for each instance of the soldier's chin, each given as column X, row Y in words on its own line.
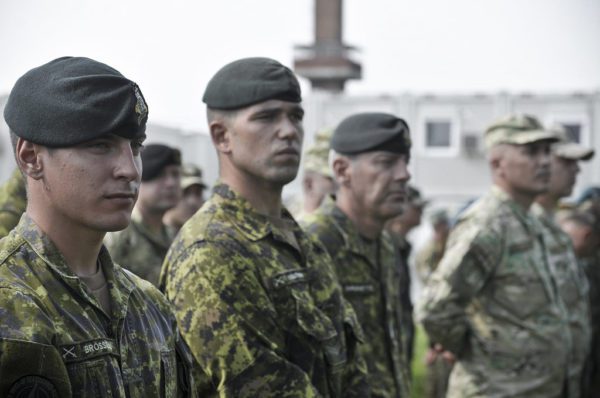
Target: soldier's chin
column 285, row 176
column 115, row 225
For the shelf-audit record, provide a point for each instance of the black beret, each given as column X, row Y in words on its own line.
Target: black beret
column 155, row 157
column 364, row 132
column 249, row 81
column 72, row 100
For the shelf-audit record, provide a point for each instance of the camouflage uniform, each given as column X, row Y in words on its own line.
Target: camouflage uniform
column 13, row 200
column 370, row 281
column 493, row 302
column 56, row 339
column 260, row 309
column 591, row 266
column 574, row 289
column 438, row 372
column 138, row 249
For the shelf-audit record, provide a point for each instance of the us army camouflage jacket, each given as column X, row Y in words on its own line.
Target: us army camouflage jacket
column 370, row 281
column 56, row 341
column 573, row 288
column 262, row 318
column 427, row 259
column 493, row 302
column 13, row 200
column 138, row 249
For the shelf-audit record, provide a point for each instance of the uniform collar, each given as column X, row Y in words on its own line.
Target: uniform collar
column 253, row 225
column 523, row 215
column 162, row 240
column 119, row 285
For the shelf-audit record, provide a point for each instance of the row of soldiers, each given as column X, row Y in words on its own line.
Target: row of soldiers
column 251, row 303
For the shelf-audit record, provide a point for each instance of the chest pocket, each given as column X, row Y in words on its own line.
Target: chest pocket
column 518, row 284
column 93, row 379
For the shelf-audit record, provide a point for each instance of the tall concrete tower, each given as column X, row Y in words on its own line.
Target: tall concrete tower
column 327, row 62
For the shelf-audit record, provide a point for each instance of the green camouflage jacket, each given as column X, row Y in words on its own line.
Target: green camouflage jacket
column 493, row 302
column 427, row 259
column 138, row 249
column 573, row 287
column 13, row 200
column 56, row 341
column 591, row 266
column 370, row 281
column 262, row 318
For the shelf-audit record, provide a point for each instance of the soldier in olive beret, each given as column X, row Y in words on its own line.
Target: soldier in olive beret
column 257, row 301
column 370, row 159
column 493, row 300
column 74, row 323
column 142, row 246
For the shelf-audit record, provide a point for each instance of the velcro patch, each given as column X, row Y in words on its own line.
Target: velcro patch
column 87, row 349
column 288, row 278
column 363, row 288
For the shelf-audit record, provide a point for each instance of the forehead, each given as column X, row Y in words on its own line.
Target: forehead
column 276, row 105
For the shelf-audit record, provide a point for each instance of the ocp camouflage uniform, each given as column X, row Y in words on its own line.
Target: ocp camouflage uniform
column 370, row 281
column 494, row 304
column 573, row 288
column 55, row 338
column 260, row 309
column 13, row 200
column 138, row 249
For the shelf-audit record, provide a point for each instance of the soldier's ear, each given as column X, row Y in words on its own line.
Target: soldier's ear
column 220, row 135
column 342, row 169
column 28, row 157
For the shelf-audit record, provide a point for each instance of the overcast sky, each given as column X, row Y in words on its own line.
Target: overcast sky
column 172, row 48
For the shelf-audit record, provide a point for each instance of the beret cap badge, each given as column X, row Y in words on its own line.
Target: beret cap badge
column 141, row 109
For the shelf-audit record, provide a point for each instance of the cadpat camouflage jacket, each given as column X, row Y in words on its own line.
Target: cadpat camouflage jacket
column 573, row 288
column 493, row 302
column 370, row 281
column 13, row 200
column 138, row 249
column 56, row 341
column 262, row 318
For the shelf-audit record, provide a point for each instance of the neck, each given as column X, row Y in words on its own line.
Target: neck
column 78, row 245
column 152, row 219
column 311, row 203
column 548, row 202
column 367, row 226
column 263, row 196
column 522, row 199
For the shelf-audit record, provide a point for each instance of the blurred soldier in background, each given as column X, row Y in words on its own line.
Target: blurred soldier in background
column 317, row 181
column 493, row 300
column 142, row 246
column 370, row 161
column 192, row 198
column 399, row 228
column 13, row 199
column 570, row 278
column 439, row 363
column 73, row 323
column 256, row 299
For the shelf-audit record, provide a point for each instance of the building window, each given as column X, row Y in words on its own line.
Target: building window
column 438, row 134
column 573, row 131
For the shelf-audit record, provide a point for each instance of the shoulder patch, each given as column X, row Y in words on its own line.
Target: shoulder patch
column 33, row 386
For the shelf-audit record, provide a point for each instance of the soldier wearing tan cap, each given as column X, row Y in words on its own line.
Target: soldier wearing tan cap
column 493, row 301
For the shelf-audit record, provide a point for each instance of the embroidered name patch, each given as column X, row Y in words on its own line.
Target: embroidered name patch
column 288, row 278
column 358, row 288
column 87, row 349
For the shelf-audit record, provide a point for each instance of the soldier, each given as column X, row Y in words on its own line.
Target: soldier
column 399, row 227
column 192, row 198
column 13, row 199
column 317, row 182
column 371, row 153
column 439, row 363
column 143, row 245
column 256, row 300
column 73, row 322
column 492, row 300
column 569, row 276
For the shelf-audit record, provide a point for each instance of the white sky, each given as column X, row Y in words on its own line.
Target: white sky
column 171, row 48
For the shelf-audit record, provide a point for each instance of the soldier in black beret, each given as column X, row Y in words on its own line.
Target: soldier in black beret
column 142, row 246
column 256, row 299
column 369, row 161
column 73, row 322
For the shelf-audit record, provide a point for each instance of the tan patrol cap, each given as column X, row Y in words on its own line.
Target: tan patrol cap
column 317, row 156
column 191, row 175
column 568, row 149
column 518, row 129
